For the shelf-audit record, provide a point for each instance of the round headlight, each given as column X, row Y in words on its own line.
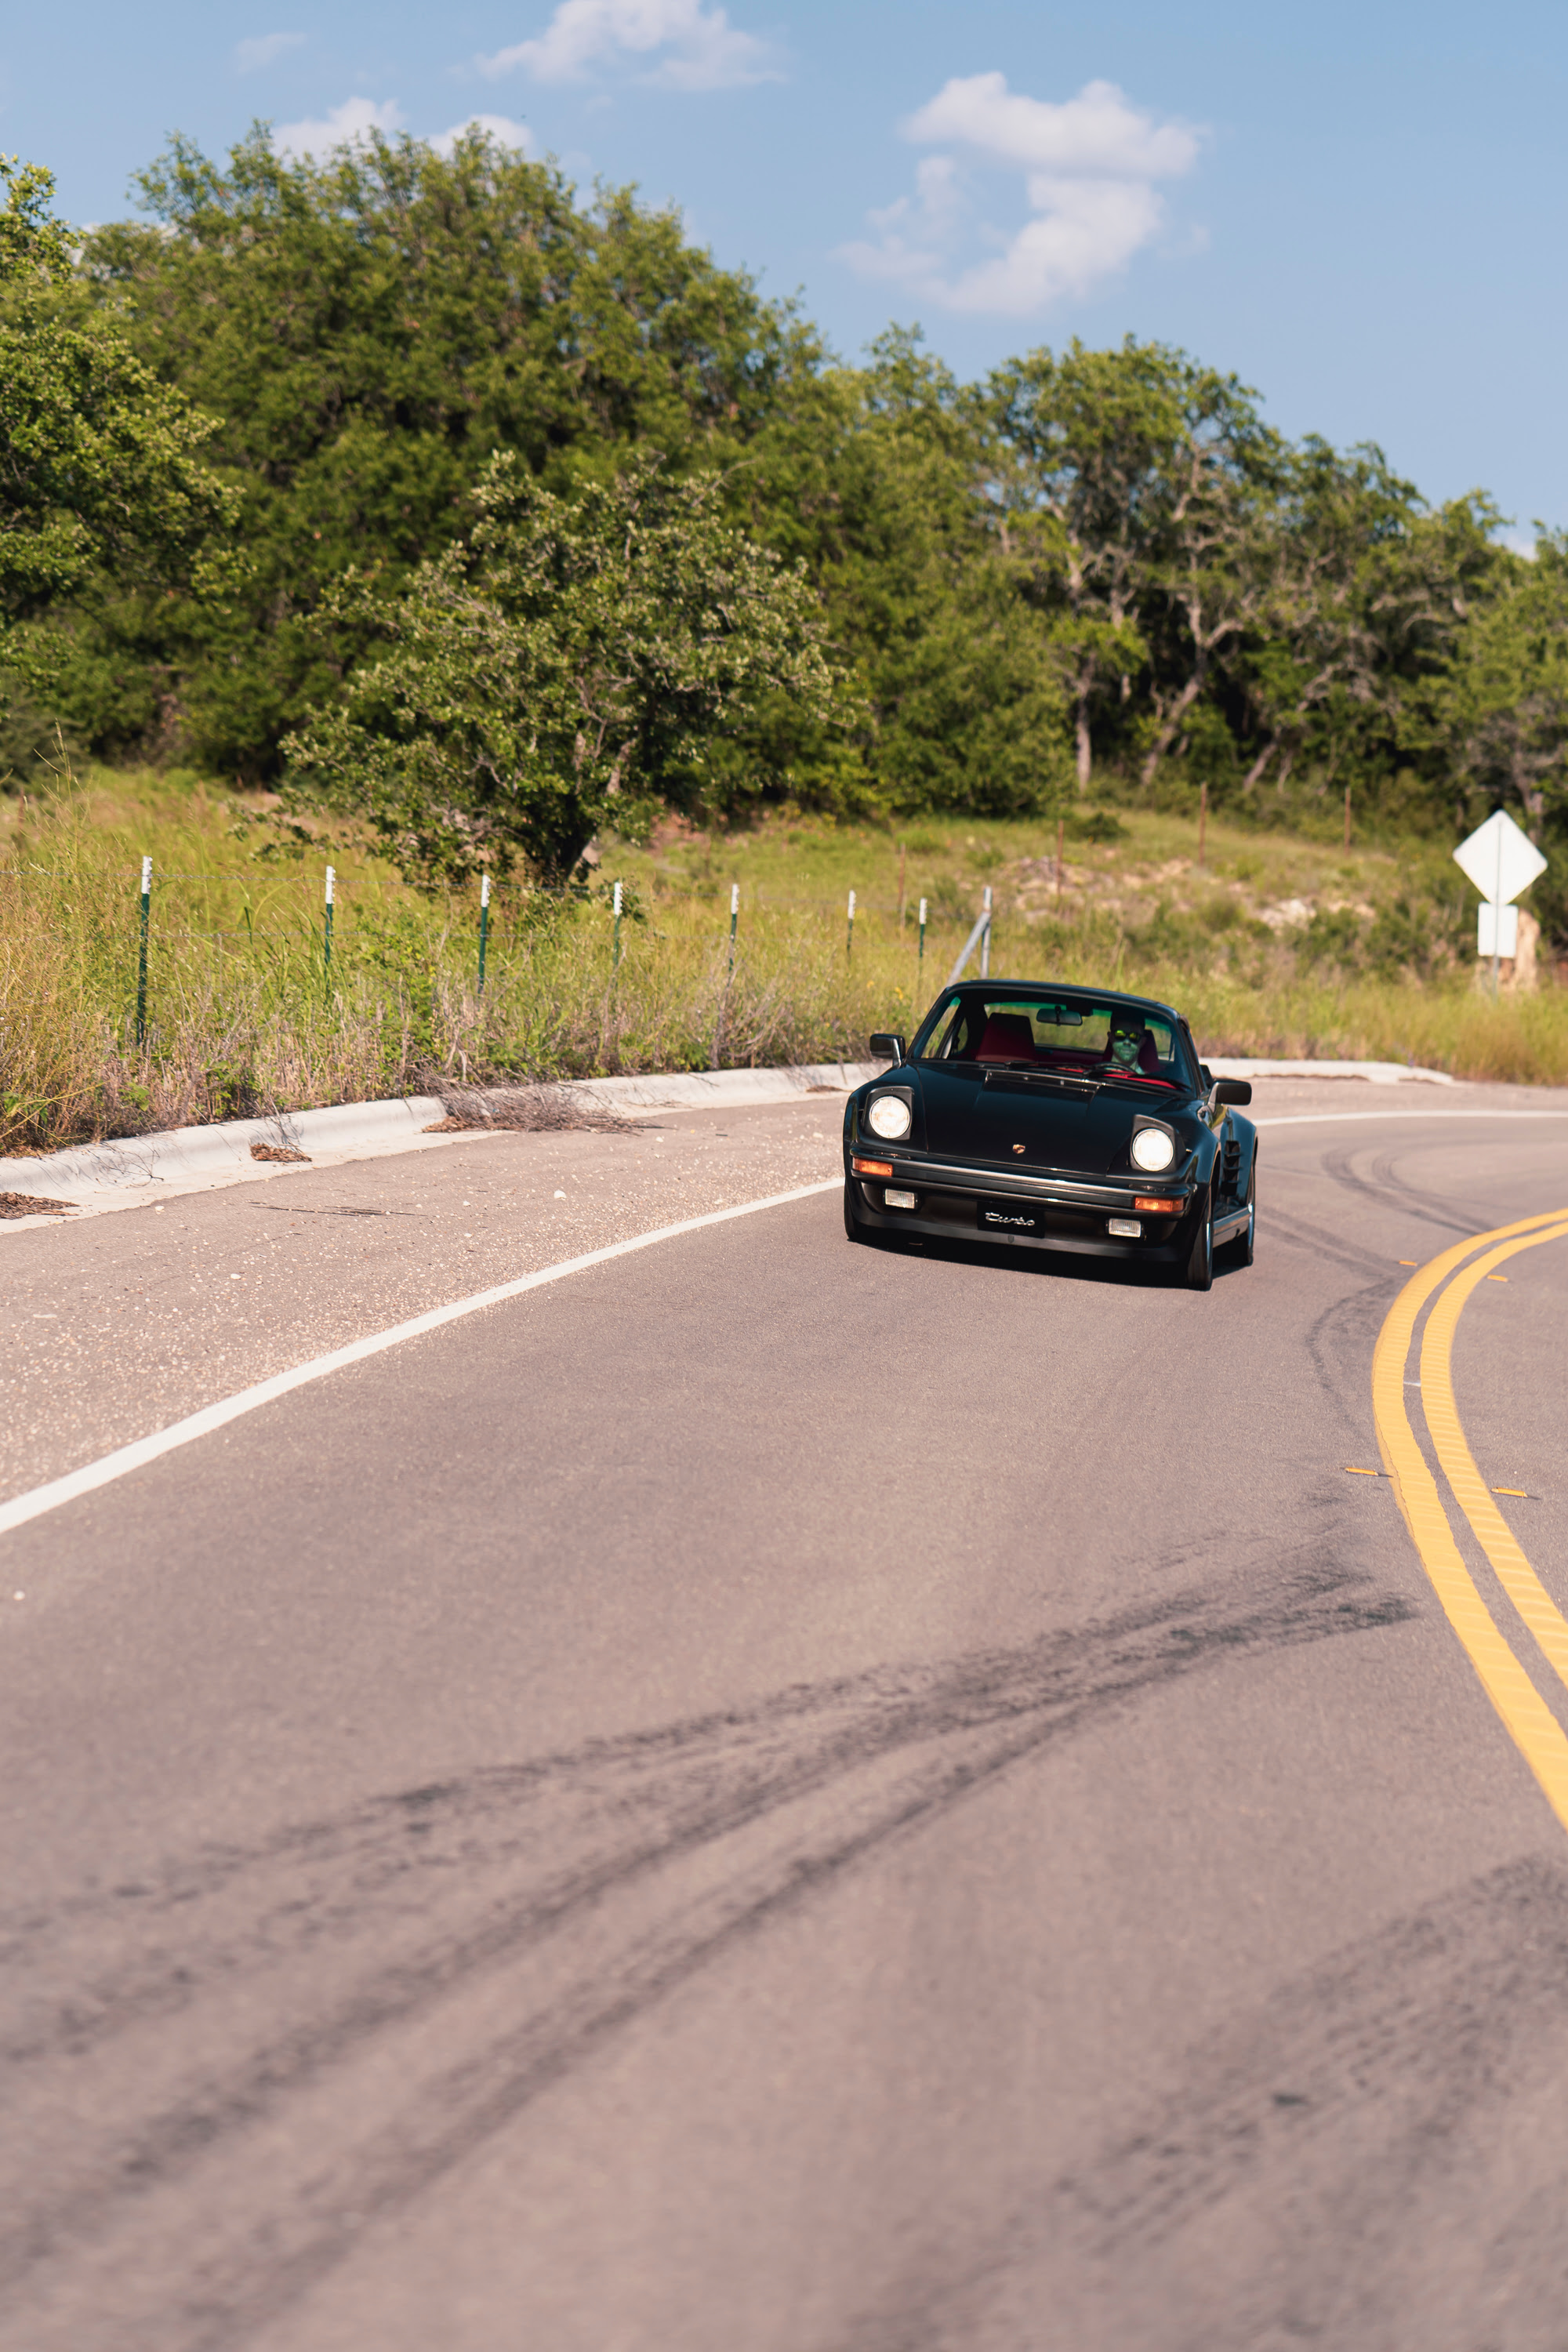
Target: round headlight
column 888, row 1116
column 1153, row 1149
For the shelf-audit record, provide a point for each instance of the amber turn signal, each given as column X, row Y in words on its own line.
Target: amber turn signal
column 1160, row 1208
column 872, row 1167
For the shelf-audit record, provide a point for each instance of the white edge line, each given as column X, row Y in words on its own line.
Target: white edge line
column 136, row 1457
column 1322, row 1118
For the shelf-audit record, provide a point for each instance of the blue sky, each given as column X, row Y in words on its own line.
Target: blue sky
column 1358, row 208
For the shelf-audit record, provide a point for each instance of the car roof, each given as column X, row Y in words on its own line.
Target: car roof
column 1064, row 989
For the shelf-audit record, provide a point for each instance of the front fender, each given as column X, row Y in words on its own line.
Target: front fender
column 1247, row 1136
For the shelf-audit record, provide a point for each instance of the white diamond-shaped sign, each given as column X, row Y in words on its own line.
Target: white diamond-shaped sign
column 1500, row 859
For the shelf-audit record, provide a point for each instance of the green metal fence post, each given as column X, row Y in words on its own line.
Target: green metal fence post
column 734, row 918
column 616, row 957
column 142, row 965
column 850, row 934
column 921, row 958
column 327, row 933
column 484, row 925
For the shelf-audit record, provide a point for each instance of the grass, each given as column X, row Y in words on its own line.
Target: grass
column 1276, row 945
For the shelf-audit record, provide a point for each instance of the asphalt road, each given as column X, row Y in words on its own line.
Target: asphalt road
column 779, row 1797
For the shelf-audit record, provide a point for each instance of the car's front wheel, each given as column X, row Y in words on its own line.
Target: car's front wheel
column 1200, row 1259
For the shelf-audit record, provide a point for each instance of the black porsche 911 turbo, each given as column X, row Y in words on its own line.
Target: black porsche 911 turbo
column 1058, row 1119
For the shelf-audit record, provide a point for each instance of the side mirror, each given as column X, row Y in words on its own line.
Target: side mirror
column 886, row 1047
column 1233, row 1090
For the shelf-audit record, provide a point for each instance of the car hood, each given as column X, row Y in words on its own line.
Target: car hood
column 1014, row 1118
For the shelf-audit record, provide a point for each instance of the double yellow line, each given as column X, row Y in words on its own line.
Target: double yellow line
column 1531, row 1721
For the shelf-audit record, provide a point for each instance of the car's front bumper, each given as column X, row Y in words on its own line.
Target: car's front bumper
column 1054, row 1210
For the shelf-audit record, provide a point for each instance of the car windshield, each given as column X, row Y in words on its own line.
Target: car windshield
column 1072, row 1035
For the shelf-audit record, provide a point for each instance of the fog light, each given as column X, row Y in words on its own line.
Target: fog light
column 898, row 1200
column 1126, row 1229
column 872, row 1167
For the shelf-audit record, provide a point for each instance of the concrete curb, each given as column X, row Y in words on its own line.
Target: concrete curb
column 1380, row 1074
column 128, row 1172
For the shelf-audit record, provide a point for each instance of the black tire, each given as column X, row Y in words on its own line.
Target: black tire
column 852, row 1225
column 1200, row 1261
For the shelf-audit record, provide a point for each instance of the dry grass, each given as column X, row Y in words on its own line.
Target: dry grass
column 243, row 1017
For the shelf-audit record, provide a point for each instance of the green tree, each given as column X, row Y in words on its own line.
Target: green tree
column 1086, row 444
column 1372, row 594
column 99, row 471
column 1496, row 711
column 371, row 328
column 1215, row 574
column 570, row 665
column 877, row 479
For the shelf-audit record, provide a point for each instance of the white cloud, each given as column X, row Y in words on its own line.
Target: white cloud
column 500, row 126
column 1096, row 132
column 343, row 124
column 1090, row 166
column 265, row 50
column 685, row 44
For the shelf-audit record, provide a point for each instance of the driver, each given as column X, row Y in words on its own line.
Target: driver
column 1125, row 1044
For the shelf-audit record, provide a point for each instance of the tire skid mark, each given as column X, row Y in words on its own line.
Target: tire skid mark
column 1387, row 1188
column 1323, row 1241
column 1338, row 1340
column 402, row 1943
column 1322, row 2133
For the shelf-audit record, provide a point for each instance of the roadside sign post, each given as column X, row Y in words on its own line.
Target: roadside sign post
column 327, row 934
column 850, row 934
column 980, row 937
column 1500, row 860
column 734, row 917
column 920, row 957
column 615, row 946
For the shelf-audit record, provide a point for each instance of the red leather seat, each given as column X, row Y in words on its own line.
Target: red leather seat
column 1008, row 1038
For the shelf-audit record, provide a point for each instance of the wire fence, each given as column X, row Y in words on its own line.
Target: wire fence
column 148, row 883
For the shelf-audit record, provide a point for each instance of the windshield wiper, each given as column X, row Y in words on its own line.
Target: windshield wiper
column 1056, row 1082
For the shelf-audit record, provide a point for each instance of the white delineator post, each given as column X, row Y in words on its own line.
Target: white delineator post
column 985, row 939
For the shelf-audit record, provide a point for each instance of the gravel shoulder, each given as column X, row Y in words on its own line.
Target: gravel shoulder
column 123, row 1324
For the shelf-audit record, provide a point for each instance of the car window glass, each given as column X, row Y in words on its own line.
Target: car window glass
column 1065, row 1033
